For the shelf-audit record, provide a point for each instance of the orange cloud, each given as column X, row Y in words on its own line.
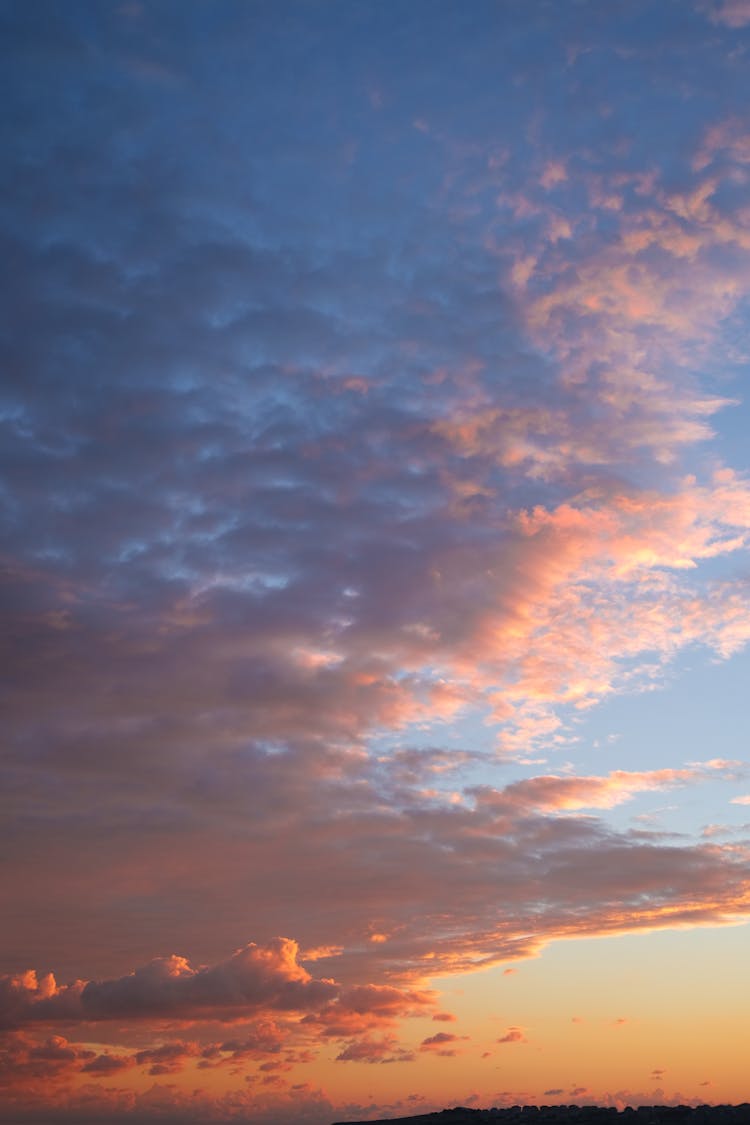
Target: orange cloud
column 254, row 977
column 568, row 793
column 385, row 1050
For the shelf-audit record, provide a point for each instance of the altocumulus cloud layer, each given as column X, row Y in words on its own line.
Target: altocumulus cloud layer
column 361, row 368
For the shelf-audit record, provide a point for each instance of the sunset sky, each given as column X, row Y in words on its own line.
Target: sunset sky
column 375, row 443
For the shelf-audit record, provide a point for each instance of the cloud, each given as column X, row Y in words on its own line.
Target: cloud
column 730, row 13
column 254, row 977
column 283, row 509
column 442, row 1044
column 385, row 1050
column 367, row 1007
column 513, row 1035
column 25, row 1061
column 508, row 840
column 169, row 1058
column 261, row 1039
column 561, row 793
column 105, row 1065
column 321, row 953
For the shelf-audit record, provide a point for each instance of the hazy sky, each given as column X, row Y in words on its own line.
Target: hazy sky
column 375, row 525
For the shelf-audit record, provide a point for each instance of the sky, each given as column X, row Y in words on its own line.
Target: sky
column 375, row 581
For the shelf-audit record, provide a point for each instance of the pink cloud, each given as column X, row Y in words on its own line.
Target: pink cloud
column 554, row 173
column 560, row 793
column 441, row 920
column 254, row 977
column 731, row 13
column 513, row 1035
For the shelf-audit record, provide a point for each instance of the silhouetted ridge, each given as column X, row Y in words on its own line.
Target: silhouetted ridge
column 574, row 1114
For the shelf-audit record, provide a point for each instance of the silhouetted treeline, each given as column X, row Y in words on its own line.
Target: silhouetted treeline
column 578, row 1115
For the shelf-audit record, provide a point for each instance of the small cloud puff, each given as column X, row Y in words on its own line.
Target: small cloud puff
column 441, row 1044
column 104, row 1065
column 385, row 1050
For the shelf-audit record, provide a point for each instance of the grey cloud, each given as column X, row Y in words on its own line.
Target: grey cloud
column 254, row 977
column 465, row 885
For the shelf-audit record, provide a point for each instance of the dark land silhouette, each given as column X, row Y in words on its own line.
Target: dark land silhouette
column 578, row 1115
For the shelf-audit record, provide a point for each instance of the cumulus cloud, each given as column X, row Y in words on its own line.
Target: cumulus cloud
column 253, row 977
